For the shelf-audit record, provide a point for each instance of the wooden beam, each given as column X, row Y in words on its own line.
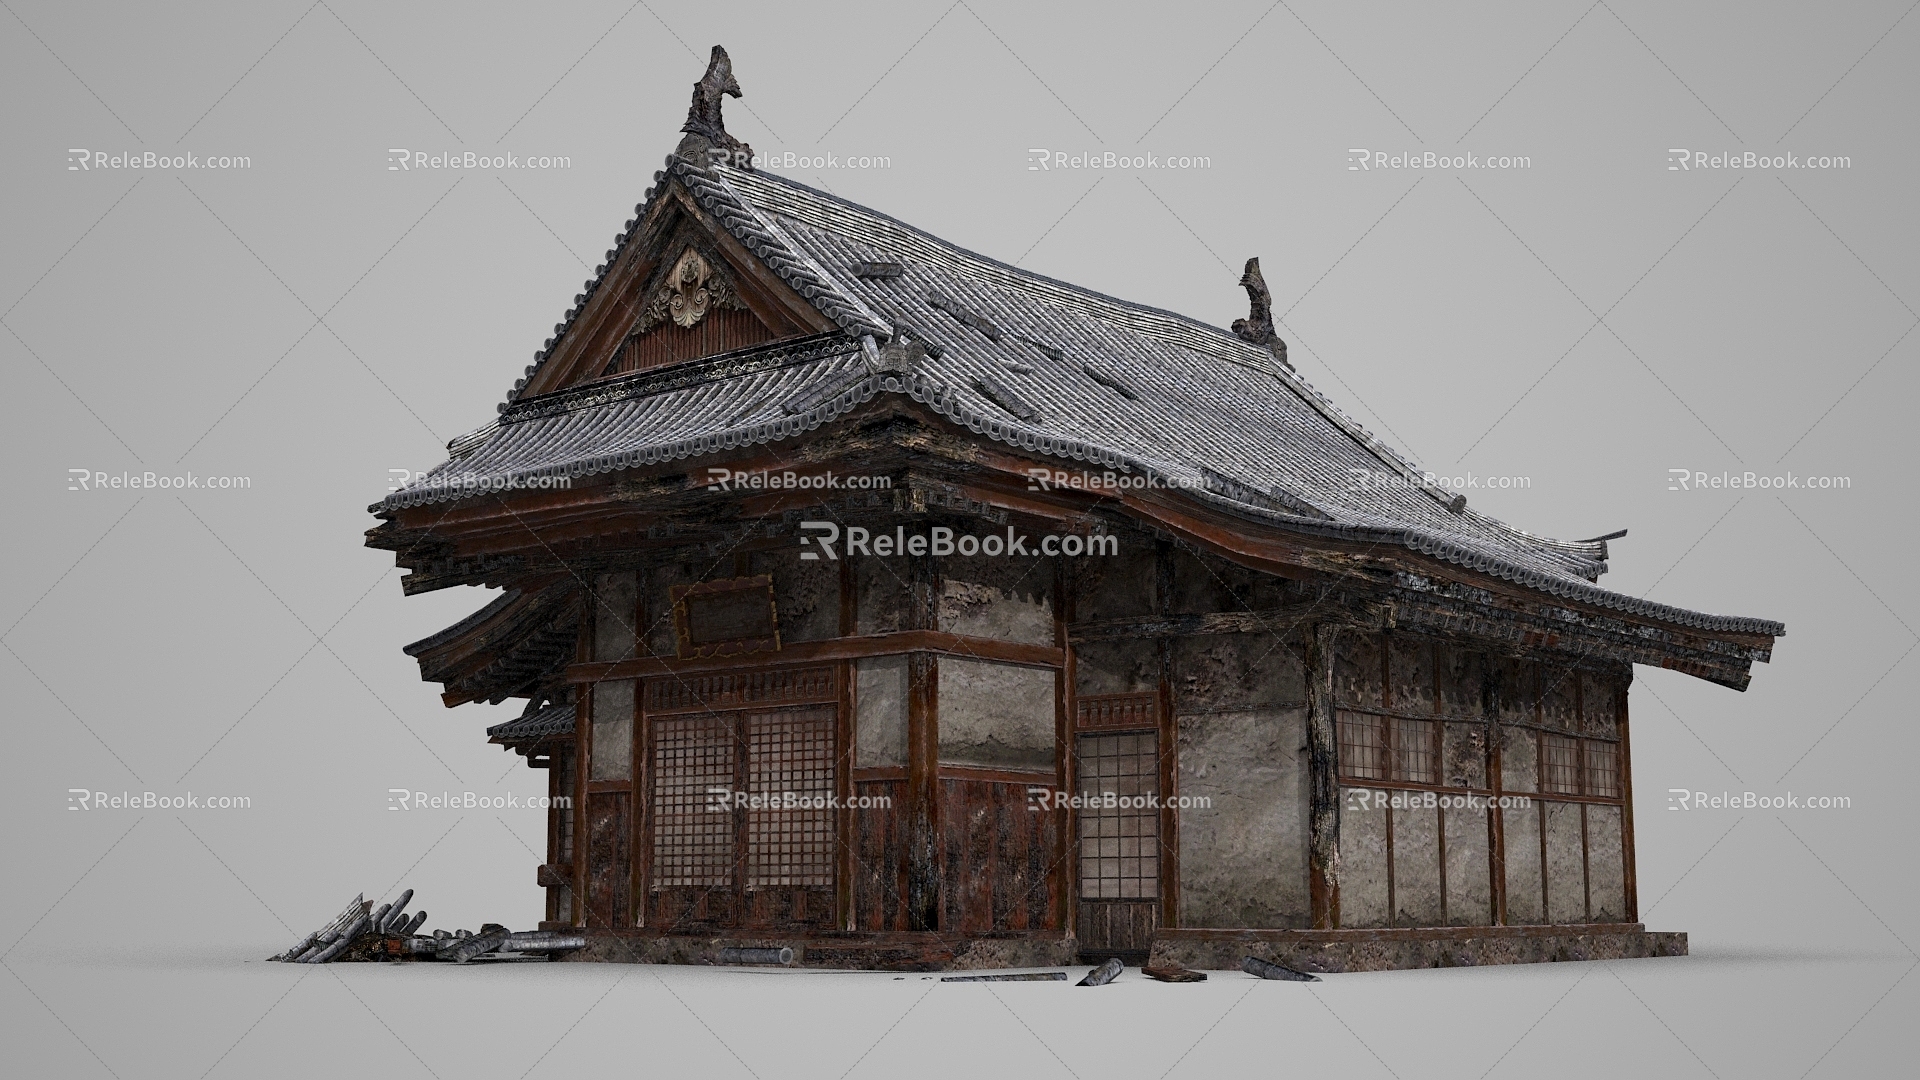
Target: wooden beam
column 830, row 649
column 1278, row 620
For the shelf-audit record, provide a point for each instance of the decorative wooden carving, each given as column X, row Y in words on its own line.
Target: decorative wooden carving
column 1257, row 327
column 741, row 689
column 707, row 141
column 695, row 284
column 1118, row 712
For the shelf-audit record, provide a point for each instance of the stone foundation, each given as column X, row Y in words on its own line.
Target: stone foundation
column 1390, row 950
column 855, row 951
column 1329, row 951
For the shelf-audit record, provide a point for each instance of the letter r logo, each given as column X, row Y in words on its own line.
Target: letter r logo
column 825, row 542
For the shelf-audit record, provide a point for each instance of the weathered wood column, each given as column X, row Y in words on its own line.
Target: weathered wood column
column 923, row 752
column 1630, row 875
column 1323, row 781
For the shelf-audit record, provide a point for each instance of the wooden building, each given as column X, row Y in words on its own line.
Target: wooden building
column 833, row 556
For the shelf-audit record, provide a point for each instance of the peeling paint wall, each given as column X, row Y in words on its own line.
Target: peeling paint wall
column 1606, row 881
column 1008, row 599
column 1519, row 759
column 1522, row 834
column 1231, row 672
column 1566, row 870
column 806, row 595
column 1116, row 587
column 881, row 589
column 880, row 712
column 996, row 716
column 1416, row 868
column 1239, row 704
column 1116, row 667
column 614, row 613
column 1243, row 860
column 1469, row 881
column 1363, row 867
column 612, row 730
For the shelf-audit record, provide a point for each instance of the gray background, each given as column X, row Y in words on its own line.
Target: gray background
column 315, row 320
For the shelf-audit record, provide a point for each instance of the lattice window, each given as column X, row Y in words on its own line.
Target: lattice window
column 1560, row 764
column 1603, row 769
column 790, row 756
column 1415, row 758
column 1120, row 845
column 1363, row 747
column 692, row 832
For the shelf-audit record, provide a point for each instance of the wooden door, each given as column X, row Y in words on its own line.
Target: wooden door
column 1119, row 842
column 742, row 824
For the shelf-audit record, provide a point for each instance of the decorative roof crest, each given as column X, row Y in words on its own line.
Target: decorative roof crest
column 707, row 141
column 1257, row 327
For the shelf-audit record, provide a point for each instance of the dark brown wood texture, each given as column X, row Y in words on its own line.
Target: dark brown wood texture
column 609, row 858
column 719, row 331
column 1117, row 926
column 879, row 856
column 1000, row 871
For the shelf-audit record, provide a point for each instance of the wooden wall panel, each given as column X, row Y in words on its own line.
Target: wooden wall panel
column 1117, row 926
column 721, row 331
column 1000, row 871
column 609, row 860
column 879, row 859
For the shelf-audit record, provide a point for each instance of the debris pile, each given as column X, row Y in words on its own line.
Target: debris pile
column 364, row 934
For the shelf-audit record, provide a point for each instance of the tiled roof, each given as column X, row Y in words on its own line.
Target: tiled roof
column 1059, row 371
column 552, row 722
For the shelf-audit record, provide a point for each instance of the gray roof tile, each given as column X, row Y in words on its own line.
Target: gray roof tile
column 1065, row 372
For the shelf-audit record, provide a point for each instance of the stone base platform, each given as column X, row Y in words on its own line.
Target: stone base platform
column 1327, row 951
column 846, row 951
column 1390, row 950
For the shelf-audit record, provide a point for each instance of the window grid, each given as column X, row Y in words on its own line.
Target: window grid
column 1560, row 764
column 692, row 833
column 1363, row 747
column 1119, row 846
column 1603, row 769
column 790, row 752
column 1414, row 758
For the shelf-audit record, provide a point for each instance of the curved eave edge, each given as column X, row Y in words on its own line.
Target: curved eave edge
column 945, row 400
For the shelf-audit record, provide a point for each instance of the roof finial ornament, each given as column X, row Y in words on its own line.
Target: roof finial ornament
column 1257, row 327
column 707, row 141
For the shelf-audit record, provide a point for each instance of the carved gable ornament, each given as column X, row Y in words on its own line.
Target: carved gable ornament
column 688, row 287
column 691, row 287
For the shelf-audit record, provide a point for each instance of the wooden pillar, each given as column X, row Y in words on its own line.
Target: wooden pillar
column 923, row 753
column 1167, row 734
column 845, row 825
column 1629, row 876
column 1496, row 781
column 582, row 755
column 1323, row 782
column 1064, row 883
